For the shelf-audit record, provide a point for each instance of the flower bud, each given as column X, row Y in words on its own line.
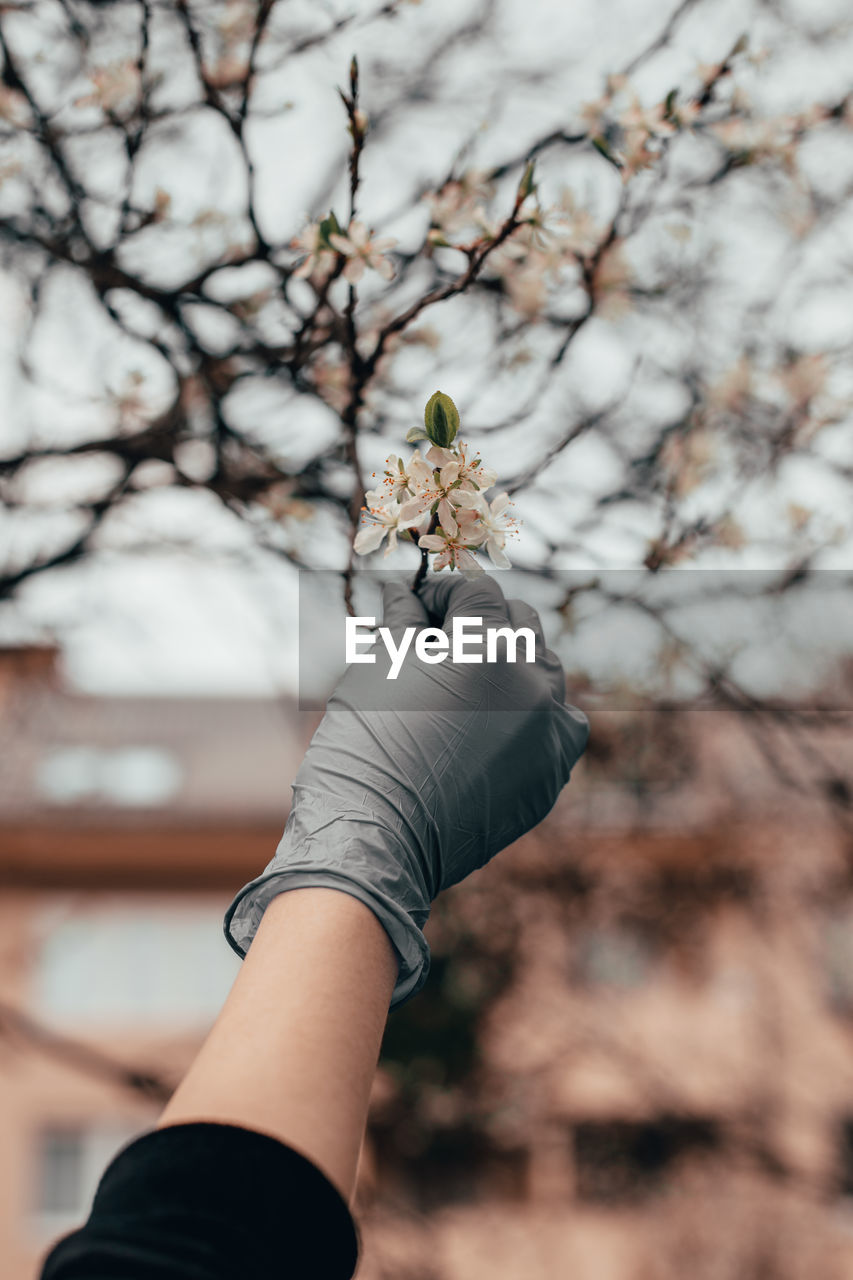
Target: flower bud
column 441, row 419
column 526, row 186
column 329, row 226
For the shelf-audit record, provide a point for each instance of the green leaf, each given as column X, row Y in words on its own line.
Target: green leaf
column 601, row 144
column 414, row 434
column 669, row 103
column 441, row 418
column 526, row 186
column 330, row 226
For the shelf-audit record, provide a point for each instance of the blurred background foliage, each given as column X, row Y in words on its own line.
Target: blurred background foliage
column 653, row 351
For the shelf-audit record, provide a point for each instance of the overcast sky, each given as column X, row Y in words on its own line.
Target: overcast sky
column 209, row 613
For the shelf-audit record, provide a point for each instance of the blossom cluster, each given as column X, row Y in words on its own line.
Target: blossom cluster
column 439, row 501
column 546, row 248
column 322, row 241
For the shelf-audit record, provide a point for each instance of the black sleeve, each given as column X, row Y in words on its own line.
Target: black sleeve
column 205, row 1201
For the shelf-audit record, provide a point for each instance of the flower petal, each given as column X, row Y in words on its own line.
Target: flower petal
column 438, row 456
column 369, row 538
column 464, row 560
column 342, row 243
column 420, row 473
column 467, row 498
column 415, row 507
column 445, row 518
column 496, row 555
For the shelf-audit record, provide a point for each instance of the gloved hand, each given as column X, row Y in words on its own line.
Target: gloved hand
column 395, row 804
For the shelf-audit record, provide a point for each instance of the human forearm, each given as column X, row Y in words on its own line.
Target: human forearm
column 294, row 1050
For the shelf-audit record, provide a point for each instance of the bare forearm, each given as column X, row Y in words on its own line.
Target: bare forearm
column 294, row 1050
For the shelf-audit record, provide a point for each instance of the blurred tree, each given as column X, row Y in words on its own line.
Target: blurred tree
column 213, row 346
column 632, row 291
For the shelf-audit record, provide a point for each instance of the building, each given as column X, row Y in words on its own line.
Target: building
column 634, row 1055
column 126, row 825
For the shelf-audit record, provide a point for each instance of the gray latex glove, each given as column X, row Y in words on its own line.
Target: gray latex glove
column 394, row 805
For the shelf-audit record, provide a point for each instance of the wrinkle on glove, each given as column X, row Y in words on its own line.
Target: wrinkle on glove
column 410, row 785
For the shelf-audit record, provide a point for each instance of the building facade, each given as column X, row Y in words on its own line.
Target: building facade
column 634, row 1055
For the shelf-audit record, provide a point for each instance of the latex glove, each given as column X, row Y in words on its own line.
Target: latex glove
column 393, row 805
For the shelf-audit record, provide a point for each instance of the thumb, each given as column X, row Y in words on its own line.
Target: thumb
column 401, row 608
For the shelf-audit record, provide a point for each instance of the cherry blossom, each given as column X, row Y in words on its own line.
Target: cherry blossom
column 438, row 500
column 381, row 520
column 456, row 466
column 495, row 521
column 115, row 86
column 320, row 257
column 450, row 549
column 460, row 204
column 402, row 481
column 363, row 251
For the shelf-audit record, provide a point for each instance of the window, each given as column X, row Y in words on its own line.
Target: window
column 837, row 943
column 449, row 1166
column 61, row 1171
column 615, row 957
column 845, row 1162
column 68, row 1161
column 130, row 964
column 618, row 1162
column 133, row 776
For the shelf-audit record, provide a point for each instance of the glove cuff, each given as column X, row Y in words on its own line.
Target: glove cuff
column 343, row 854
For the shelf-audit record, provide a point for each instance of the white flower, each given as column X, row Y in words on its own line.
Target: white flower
column 115, row 86
column 582, row 235
column 451, row 549
column 320, row 257
column 439, row 499
column 459, row 203
column 424, row 487
column 496, row 523
column 362, row 251
column 400, row 481
column 382, row 520
column 455, row 465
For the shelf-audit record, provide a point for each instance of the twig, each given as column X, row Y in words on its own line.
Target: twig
column 424, row 564
column 83, row 1057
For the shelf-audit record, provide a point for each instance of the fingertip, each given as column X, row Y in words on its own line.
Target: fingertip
column 475, row 596
column 522, row 614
